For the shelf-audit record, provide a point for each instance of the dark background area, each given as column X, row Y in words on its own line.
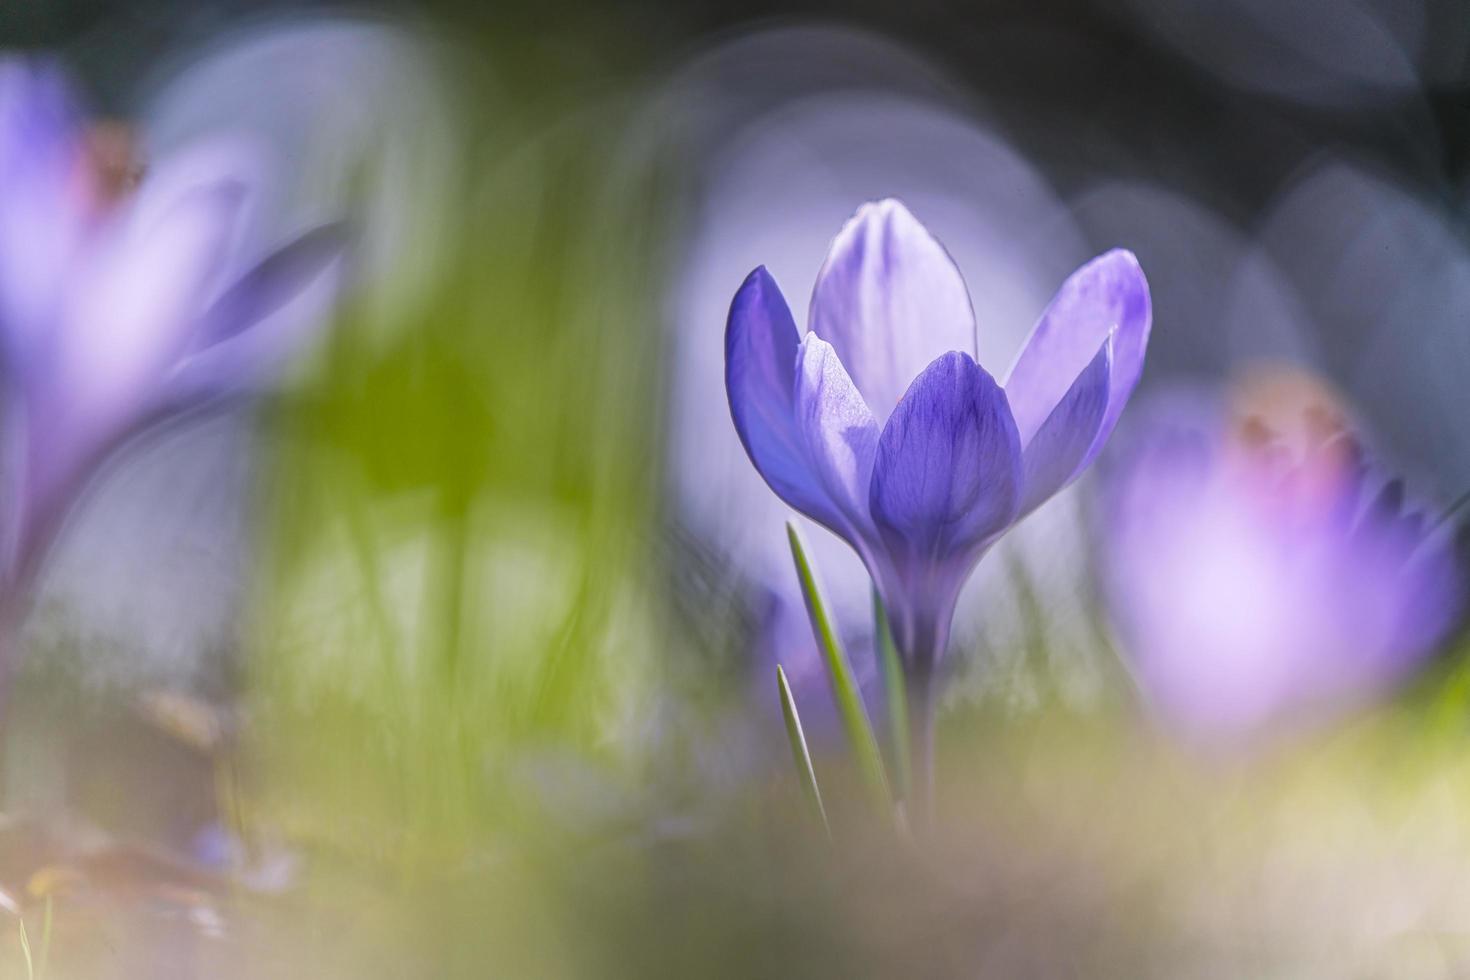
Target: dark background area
column 1093, row 65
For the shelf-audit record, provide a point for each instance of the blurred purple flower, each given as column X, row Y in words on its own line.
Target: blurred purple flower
column 880, row 424
column 1259, row 574
column 113, row 312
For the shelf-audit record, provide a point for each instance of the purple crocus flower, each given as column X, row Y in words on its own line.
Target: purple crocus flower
column 1259, row 574
column 880, row 425
column 115, row 309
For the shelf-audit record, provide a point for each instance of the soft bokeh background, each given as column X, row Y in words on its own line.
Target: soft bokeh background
column 453, row 656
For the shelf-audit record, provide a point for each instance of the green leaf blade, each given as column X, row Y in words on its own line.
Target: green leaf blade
column 800, row 755
column 845, row 692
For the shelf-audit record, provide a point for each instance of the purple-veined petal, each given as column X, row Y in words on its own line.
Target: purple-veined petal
column 840, row 432
column 1067, row 441
column 1107, row 295
column 760, row 372
column 947, row 475
column 889, row 300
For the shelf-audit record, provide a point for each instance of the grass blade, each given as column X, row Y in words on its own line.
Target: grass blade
column 43, row 969
column 845, row 691
column 799, row 753
column 896, row 695
column 25, row 947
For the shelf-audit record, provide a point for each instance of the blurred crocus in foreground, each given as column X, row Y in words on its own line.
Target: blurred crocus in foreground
column 113, row 314
column 880, row 424
column 1259, row 574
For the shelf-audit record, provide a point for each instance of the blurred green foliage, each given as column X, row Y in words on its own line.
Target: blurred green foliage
column 463, row 516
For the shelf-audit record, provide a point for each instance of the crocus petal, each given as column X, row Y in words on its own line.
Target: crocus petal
column 1107, row 295
column 271, row 284
column 218, row 161
column 839, row 430
column 760, row 370
column 134, row 315
column 947, row 476
column 890, row 300
column 38, row 122
column 1067, row 441
column 43, row 207
column 264, row 319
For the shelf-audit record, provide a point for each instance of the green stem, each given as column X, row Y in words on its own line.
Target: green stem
column 922, row 641
column 896, row 696
column 921, row 745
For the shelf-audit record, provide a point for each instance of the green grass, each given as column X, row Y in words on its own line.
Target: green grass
column 462, row 561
